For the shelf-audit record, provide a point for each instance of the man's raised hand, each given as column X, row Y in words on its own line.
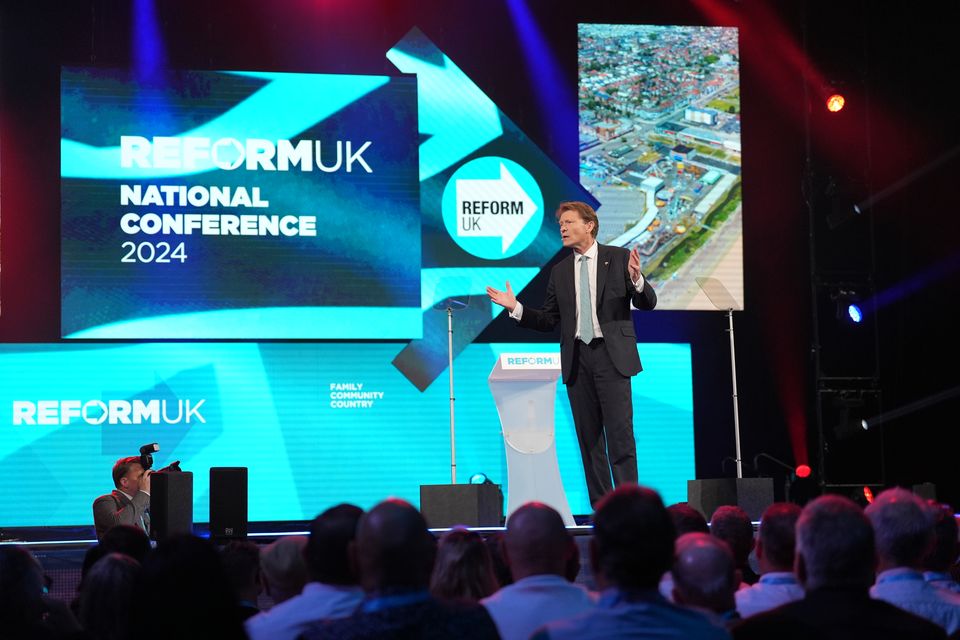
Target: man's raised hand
column 633, row 266
column 505, row 299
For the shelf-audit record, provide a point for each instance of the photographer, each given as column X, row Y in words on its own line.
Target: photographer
column 129, row 503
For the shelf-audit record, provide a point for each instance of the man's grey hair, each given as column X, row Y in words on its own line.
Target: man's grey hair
column 903, row 527
column 835, row 543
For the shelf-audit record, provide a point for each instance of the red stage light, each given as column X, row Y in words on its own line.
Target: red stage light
column 803, row 471
column 835, row 103
column 868, row 494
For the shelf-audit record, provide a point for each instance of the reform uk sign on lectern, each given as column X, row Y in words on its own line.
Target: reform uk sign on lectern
column 524, row 387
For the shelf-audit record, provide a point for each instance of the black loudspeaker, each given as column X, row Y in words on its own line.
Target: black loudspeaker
column 471, row 505
column 228, row 502
column 753, row 495
column 171, row 504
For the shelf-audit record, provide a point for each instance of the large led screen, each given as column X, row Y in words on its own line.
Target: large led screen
column 660, row 149
column 239, row 205
column 210, row 204
column 315, row 423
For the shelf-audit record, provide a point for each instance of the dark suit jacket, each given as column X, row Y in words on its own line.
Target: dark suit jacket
column 115, row 508
column 615, row 292
column 837, row 614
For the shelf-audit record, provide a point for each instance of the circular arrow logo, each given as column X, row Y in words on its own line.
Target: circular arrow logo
column 492, row 207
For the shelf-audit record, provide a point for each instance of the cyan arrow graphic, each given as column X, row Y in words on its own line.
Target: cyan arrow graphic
column 493, row 208
column 462, row 123
column 453, row 111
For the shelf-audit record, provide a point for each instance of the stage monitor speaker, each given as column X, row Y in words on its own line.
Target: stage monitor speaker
column 471, row 505
column 753, row 495
column 228, row 502
column 171, row 504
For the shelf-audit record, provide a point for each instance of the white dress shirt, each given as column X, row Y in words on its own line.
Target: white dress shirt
column 528, row 604
column 773, row 589
column 590, row 253
column 318, row 601
column 906, row 588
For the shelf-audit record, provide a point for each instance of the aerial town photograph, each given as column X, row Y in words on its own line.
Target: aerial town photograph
column 660, row 149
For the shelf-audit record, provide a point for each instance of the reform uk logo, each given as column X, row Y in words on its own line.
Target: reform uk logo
column 97, row 412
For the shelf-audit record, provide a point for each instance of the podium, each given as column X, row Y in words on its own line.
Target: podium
column 524, row 387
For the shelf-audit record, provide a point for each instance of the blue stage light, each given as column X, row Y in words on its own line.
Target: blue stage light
column 479, row 478
column 855, row 313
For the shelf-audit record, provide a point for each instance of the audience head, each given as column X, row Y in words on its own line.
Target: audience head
column 90, row 558
column 686, row 519
column 703, row 573
column 126, row 539
column 776, row 541
column 943, row 554
column 21, row 590
column 107, row 599
column 184, row 593
column 835, row 545
column 537, row 542
column 633, row 539
column 501, row 570
column 327, row 551
column 394, row 549
column 241, row 565
column 463, row 569
column 732, row 525
column 283, row 567
column 903, row 526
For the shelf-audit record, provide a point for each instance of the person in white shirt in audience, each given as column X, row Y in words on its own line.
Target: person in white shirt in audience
column 540, row 554
column 903, row 524
column 776, row 543
column 334, row 590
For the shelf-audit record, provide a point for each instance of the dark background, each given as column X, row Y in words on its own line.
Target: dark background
column 893, row 62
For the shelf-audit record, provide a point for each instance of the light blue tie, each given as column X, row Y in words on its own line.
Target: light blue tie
column 586, row 309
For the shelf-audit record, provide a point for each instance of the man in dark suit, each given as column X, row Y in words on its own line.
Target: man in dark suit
column 129, row 503
column 589, row 296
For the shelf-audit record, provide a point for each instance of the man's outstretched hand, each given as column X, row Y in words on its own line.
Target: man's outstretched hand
column 506, row 299
column 633, row 266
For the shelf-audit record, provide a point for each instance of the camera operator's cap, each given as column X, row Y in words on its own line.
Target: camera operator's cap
column 282, row 563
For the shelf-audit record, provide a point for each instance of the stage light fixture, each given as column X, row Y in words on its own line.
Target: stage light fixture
column 480, row 478
column 855, row 313
column 852, row 409
column 835, row 103
column 842, row 200
column 848, row 305
column 802, row 471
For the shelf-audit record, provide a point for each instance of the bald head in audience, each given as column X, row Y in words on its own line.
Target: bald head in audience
column 703, row 573
column 394, row 549
column 537, row 543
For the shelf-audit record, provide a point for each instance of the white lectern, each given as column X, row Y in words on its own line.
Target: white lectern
column 524, row 386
